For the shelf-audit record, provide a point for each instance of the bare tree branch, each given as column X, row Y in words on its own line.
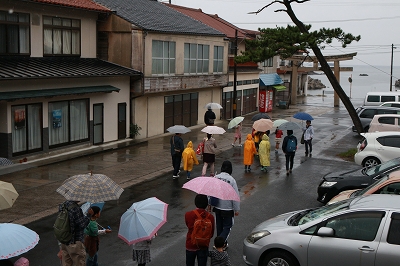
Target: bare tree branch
column 270, row 4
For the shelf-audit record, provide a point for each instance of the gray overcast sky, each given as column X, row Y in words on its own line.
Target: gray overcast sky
column 377, row 21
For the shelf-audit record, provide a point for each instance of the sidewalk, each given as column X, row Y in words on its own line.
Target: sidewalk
column 127, row 162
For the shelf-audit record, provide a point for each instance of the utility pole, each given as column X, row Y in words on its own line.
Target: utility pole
column 235, row 76
column 391, row 68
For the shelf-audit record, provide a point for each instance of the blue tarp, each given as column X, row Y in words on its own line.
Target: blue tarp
column 270, row 79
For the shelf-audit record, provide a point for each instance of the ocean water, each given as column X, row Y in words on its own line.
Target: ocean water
column 378, row 79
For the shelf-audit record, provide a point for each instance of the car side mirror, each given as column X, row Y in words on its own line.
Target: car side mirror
column 325, row 231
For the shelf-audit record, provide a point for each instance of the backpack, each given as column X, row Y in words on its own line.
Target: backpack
column 202, row 230
column 62, row 229
column 200, row 148
column 291, row 145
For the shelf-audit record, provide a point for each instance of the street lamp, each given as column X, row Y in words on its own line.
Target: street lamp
column 391, row 67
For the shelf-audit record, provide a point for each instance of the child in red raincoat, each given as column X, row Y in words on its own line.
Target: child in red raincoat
column 189, row 159
column 249, row 151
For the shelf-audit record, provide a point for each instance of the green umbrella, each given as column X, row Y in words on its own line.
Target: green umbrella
column 235, row 121
column 279, row 122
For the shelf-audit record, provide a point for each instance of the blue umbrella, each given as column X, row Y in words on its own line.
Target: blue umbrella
column 303, row 116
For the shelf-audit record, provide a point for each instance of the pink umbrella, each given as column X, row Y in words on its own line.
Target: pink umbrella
column 263, row 125
column 212, row 186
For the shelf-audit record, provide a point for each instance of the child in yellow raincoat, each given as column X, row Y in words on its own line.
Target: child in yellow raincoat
column 248, row 152
column 189, row 158
column 264, row 150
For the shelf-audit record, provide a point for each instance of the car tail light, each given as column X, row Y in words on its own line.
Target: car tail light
column 363, row 145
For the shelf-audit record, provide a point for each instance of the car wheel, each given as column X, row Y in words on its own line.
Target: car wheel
column 370, row 161
column 280, row 258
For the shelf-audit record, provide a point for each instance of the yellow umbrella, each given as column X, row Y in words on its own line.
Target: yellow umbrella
column 8, row 195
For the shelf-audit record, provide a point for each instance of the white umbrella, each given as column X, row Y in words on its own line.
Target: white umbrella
column 178, row 129
column 279, row 122
column 213, row 130
column 213, row 106
column 8, row 195
column 235, row 121
column 289, row 126
column 142, row 220
column 16, row 239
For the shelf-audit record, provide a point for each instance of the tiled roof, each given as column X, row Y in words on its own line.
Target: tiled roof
column 213, row 21
column 81, row 4
column 152, row 15
column 12, row 68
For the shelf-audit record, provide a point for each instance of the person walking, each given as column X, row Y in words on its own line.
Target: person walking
column 308, row 136
column 189, row 159
column 264, row 153
column 209, row 155
column 225, row 210
column 289, row 147
column 218, row 255
column 73, row 253
column 278, row 138
column 249, row 151
column 194, row 252
column 92, row 233
column 209, row 117
column 141, row 251
column 238, row 135
column 176, row 153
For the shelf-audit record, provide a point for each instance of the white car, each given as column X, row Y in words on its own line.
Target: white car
column 358, row 231
column 377, row 148
column 386, row 122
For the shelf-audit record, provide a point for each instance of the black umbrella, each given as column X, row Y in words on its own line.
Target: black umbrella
column 260, row 116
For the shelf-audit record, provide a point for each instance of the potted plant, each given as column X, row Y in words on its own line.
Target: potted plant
column 134, row 130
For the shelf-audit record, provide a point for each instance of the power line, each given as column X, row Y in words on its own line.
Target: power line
column 320, row 21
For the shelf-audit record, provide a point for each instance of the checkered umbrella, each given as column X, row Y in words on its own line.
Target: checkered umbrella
column 90, row 187
column 5, row 161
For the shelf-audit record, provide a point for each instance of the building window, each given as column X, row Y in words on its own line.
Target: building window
column 26, row 128
column 197, row 58
column 14, row 33
column 68, row 122
column 230, row 83
column 255, row 81
column 232, row 50
column 163, row 58
column 218, row 59
column 268, row 63
column 61, row 36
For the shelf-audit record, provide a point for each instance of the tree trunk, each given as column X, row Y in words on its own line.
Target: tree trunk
column 328, row 72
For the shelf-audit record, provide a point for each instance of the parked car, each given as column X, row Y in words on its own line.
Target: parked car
column 377, row 148
column 366, row 113
column 386, row 122
column 379, row 97
column 391, row 104
column 333, row 183
column 358, row 231
column 389, row 184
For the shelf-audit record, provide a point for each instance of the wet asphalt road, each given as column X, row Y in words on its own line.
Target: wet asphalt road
column 263, row 195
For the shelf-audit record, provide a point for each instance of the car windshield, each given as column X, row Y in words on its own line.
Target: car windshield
column 381, row 167
column 362, row 191
column 326, row 210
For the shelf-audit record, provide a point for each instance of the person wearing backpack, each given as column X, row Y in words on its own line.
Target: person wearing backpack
column 225, row 210
column 289, row 147
column 73, row 251
column 200, row 224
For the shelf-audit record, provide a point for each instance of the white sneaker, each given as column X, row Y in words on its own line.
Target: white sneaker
column 233, row 145
column 175, row 176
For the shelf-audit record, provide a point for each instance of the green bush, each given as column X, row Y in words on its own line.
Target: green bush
column 134, row 130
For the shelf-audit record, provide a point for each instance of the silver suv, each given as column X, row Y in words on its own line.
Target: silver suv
column 366, row 113
column 358, row 231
